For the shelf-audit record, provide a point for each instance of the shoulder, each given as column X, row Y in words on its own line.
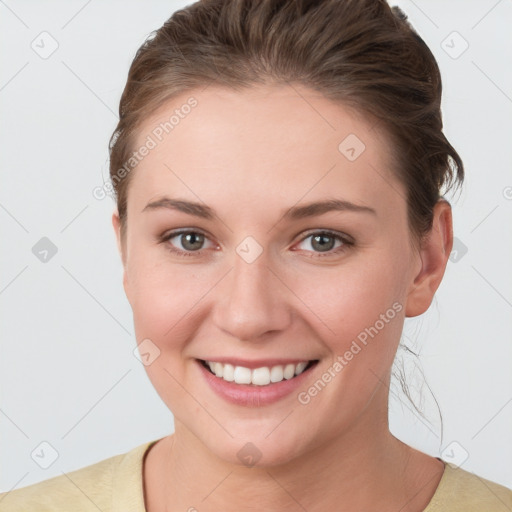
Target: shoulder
column 461, row 490
column 90, row 488
column 78, row 490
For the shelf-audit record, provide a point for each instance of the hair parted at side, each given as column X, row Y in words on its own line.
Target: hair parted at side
column 361, row 53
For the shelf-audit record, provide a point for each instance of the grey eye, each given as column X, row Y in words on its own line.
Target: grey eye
column 191, row 241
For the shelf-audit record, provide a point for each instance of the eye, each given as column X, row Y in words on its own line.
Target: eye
column 191, row 242
column 324, row 241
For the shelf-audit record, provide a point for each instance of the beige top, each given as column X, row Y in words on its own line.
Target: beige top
column 116, row 485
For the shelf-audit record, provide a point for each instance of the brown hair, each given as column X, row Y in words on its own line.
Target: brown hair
column 362, row 53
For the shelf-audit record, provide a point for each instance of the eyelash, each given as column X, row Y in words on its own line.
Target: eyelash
column 347, row 242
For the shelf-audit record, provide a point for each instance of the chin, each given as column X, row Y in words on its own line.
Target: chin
column 256, row 451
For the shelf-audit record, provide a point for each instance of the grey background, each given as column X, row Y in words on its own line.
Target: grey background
column 68, row 373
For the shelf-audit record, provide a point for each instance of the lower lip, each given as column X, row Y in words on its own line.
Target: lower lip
column 250, row 395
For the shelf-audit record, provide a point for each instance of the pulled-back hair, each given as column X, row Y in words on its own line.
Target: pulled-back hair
column 361, row 53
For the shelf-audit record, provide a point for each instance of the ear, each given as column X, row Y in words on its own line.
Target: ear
column 116, row 223
column 434, row 253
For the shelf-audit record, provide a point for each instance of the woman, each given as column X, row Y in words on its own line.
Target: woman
column 279, row 169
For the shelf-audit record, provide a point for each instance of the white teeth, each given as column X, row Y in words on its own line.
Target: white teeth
column 219, row 369
column 242, row 375
column 228, row 373
column 289, row 371
column 300, row 368
column 261, row 376
column 258, row 376
column 276, row 374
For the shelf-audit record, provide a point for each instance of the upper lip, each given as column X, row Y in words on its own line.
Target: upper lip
column 255, row 363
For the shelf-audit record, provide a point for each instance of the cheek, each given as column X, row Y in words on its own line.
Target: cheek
column 165, row 301
column 349, row 300
column 360, row 313
column 165, row 297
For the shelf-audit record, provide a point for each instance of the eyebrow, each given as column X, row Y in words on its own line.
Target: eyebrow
column 293, row 213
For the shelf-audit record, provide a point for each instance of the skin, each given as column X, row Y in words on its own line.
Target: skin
column 251, row 155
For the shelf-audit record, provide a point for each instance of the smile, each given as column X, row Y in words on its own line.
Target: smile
column 261, row 376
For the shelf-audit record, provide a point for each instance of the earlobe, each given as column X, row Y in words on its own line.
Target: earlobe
column 434, row 254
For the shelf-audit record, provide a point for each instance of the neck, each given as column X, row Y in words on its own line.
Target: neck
column 364, row 468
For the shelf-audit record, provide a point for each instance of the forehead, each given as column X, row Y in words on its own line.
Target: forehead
column 276, row 142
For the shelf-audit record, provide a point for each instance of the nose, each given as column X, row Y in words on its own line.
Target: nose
column 253, row 300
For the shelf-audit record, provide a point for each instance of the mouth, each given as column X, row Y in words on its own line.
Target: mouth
column 261, row 376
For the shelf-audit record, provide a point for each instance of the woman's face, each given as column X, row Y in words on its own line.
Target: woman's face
column 258, row 283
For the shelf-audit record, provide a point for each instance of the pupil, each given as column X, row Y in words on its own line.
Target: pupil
column 323, row 237
column 193, row 237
